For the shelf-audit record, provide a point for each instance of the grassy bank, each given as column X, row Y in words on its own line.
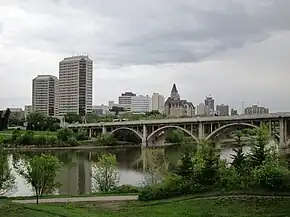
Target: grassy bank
column 222, row 207
column 37, row 133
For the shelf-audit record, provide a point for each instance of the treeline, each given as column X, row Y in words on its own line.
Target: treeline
column 63, row 138
column 203, row 171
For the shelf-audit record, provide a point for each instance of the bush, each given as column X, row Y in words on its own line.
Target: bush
column 229, row 178
column 27, row 138
column 173, row 186
column 40, row 140
column 271, row 177
column 72, row 142
column 51, row 141
column 81, row 136
column 126, row 189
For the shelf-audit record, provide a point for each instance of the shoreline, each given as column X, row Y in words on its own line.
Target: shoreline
column 80, row 148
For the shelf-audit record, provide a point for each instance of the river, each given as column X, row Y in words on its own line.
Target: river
column 75, row 174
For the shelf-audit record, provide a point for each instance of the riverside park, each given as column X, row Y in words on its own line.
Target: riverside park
column 62, row 172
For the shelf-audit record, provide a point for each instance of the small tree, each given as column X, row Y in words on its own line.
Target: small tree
column 7, row 180
column 64, row 134
column 185, row 165
column 40, row 173
column 239, row 156
column 105, row 173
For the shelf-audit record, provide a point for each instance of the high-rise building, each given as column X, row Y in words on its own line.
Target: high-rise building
column 234, row 111
column 141, row 104
column 209, row 102
column 202, row 110
column 255, row 109
column 76, row 85
column 158, row 102
column 223, row 110
column 125, row 100
column 45, row 95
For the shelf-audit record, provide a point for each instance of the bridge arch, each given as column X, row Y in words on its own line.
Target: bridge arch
column 229, row 126
column 130, row 129
column 172, row 126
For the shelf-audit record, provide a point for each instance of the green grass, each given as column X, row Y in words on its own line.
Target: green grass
column 222, row 207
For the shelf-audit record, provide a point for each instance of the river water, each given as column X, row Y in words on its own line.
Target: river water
column 75, row 175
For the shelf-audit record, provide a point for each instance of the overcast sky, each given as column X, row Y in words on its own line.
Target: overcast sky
column 235, row 50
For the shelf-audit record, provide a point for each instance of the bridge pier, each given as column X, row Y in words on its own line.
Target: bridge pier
column 104, row 129
column 201, row 131
column 144, row 137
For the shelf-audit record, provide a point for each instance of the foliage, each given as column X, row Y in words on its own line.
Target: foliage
column 185, row 165
column 81, row 136
column 260, row 146
column 106, row 139
column 156, row 164
column 271, row 176
column 39, row 122
column 175, row 136
column 105, row 173
column 125, row 189
column 40, row 173
column 229, row 178
column 72, row 118
column 64, row 134
column 7, row 179
column 4, row 118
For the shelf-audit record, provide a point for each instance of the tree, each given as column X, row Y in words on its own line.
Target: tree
column 72, row 118
column 239, row 157
column 185, row 165
column 7, row 180
column 64, row 134
column 4, row 118
column 106, row 175
column 260, row 139
column 40, row 173
column 36, row 121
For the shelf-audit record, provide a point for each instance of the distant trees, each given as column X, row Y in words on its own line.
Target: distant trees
column 4, row 118
column 40, row 173
column 39, row 122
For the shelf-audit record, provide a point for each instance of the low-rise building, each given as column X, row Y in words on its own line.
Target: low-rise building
column 223, row 110
column 125, row 100
column 202, row 110
column 17, row 112
column 234, row 112
column 255, row 109
column 101, row 110
column 158, row 102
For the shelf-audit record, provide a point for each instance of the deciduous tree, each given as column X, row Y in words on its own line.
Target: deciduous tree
column 40, row 172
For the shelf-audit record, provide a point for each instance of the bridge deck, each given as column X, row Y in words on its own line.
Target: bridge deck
column 189, row 120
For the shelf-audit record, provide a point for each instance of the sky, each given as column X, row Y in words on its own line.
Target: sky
column 235, row 50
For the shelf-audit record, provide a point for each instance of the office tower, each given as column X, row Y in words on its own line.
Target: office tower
column 209, row 102
column 141, row 104
column 75, row 85
column 158, row 102
column 255, row 109
column 125, row 100
column 223, row 110
column 45, row 95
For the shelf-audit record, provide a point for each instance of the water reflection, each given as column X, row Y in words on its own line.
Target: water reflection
column 75, row 175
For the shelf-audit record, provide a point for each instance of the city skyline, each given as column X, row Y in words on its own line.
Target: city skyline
column 239, row 55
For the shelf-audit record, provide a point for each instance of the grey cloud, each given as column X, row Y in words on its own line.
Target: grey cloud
column 156, row 32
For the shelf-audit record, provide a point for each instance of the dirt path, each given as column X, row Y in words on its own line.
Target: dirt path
column 79, row 199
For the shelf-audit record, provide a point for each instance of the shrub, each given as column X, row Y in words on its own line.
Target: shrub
column 51, row 141
column 40, row 140
column 229, row 178
column 27, row 138
column 64, row 134
column 81, row 136
column 173, row 186
column 271, row 176
column 125, row 189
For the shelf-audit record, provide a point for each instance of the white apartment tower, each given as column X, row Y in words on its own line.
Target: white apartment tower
column 140, row 104
column 75, row 85
column 45, row 95
column 158, row 102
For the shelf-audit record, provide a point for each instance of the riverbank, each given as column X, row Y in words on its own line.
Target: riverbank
column 185, row 206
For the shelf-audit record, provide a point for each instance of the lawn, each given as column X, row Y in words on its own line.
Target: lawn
column 237, row 207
